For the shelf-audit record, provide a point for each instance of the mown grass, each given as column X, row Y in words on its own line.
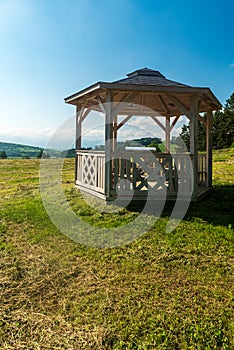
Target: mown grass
column 162, row 291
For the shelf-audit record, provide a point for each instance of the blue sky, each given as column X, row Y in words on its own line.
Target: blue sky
column 51, row 49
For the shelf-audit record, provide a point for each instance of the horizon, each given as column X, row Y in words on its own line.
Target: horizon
column 54, row 50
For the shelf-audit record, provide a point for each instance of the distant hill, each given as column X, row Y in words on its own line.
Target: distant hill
column 14, row 150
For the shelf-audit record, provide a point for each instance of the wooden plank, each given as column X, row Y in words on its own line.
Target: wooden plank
column 180, row 106
column 182, row 171
column 128, row 175
column 122, row 173
column 90, row 190
column 130, row 97
column 124, row 121
column 134, row 178
column 163, row 104
column 170, row 177
column 78, row 127
column 202, row 120
column 108, row 144
column 194, row 141
column 167, row 134
column 115, row 118
column 174, row 122
column 101, row 105
column 78, row 137
column 158, row 122
column 175, row 177
column 209, row 147
column 116, row 172
column 85, row 114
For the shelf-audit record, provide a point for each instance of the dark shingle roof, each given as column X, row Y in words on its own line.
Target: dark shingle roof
column 146, row 76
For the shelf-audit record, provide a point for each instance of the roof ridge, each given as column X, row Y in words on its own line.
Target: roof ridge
column 146, row 72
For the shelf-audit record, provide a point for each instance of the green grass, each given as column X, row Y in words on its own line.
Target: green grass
column 162, row 291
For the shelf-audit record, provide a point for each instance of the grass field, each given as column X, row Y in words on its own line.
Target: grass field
column 162, row 291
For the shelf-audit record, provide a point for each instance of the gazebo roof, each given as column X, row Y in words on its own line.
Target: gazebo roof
column 146, row 76
column 147, row 83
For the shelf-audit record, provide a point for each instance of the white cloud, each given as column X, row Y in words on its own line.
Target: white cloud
column 37, row 137
column 34, row 137
column 232, row 65
column 64, row 136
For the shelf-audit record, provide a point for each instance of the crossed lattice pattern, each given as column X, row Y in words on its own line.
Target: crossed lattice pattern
column 89, row 170
column 152, row 174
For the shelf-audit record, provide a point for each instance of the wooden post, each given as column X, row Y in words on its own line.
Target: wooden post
column 108, row 144
column 115, row 133
column 194, row 141
column 78, row 137
column 168, row 136
column 209, row 148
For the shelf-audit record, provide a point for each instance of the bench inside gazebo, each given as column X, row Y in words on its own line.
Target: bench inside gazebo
column 145, row 92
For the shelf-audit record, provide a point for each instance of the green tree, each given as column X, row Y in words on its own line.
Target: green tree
column 43, row 154
column 3, row 155
column 155, row 145
column 222, row 131
column 40, row 154
column 223, row 125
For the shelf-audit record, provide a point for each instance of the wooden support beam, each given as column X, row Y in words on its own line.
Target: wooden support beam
column 124, row 121
column 167, row 134
column 194, row 141
column 209, row 147
column 108, row 144
column 174, row 122
column 79, row 114
column 202, row 120
column 120, row 105
column 85, row 113
column 115, row 133
column 158, row 122
column 79, row 111
column 101, row 105
column 163, row 104
column 180, row 106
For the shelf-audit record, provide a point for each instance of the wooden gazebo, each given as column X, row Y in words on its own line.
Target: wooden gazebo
column 144, row 92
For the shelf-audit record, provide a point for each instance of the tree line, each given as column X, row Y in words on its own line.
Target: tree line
column 222, row 130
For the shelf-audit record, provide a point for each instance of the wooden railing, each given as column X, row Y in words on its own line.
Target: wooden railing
column 139, row 171
column 91, row 170
column 202, row 171
column 144, row 170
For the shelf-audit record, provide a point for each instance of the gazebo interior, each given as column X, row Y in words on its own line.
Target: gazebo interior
column 140, row 172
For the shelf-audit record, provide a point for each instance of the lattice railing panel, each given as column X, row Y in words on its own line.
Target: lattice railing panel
column 91, row 170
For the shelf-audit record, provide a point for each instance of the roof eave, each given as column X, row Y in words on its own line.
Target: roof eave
column 82, row 93
column 143, row 88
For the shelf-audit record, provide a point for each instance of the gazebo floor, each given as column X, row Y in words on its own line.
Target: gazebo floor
column 126, row 196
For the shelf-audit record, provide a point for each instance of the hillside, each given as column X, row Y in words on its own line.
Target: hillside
column 14, row 150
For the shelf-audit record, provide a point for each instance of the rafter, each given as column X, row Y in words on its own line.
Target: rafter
column 101, row 105
column 126, row 99
column 85, row 113
column 202, row 120
column 163, row 103
column 180, row 106
column 158, row 122
column 174, row 122
column 124, row 121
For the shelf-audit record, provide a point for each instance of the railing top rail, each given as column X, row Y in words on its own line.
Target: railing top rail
column 90, row 152
column 157, row 154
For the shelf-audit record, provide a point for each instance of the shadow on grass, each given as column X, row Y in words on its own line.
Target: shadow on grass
column 217, row 208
